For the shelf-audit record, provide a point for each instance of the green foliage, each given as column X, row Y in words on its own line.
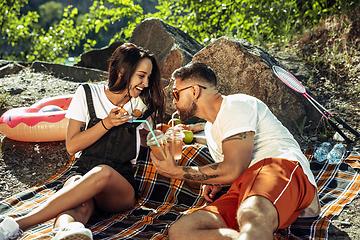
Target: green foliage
column 52, row 45
column 331, row 51
column 258, row 21
column 301, row 127
column 15, row 28
column 261, row 22
column 50, row 13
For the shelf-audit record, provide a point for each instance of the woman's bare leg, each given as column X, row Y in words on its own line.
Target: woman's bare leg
column 111, row 191
column 81, row 213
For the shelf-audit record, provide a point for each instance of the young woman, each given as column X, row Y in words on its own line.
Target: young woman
column 101, row 129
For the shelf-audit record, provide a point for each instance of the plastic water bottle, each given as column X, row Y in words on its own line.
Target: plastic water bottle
column 336, row 154
column 322, row 151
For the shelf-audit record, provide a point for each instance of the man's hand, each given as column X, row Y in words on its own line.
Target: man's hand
column 167, row 167
column 209, row 192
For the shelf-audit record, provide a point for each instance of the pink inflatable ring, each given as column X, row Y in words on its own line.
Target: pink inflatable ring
column 42, row 122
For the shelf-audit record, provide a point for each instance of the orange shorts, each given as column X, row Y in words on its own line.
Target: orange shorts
column 281, row 181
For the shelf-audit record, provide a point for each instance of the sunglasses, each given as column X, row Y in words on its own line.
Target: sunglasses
column 176, row 92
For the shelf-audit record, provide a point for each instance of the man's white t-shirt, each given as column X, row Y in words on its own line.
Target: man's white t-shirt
column 240, row 113
column 78, row 109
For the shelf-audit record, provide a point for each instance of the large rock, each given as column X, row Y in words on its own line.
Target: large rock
column 98, row 58
column 10, row 68
column 244, row 68
column 172, row 47
column 71, row 73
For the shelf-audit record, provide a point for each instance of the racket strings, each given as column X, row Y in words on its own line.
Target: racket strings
column 290, row 81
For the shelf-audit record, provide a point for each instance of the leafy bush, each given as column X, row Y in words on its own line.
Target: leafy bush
column 52, row 45
column 261, row 22
column 258, row 21
column 50, row 14
column 16, row 28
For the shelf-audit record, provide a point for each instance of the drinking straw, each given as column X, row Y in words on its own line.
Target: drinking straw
column 173, row 124
column 156, row 140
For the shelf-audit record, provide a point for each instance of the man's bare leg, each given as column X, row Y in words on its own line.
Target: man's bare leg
column 201, row 225
column 257, row 218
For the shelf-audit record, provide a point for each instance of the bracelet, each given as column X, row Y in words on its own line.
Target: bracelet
column 104, row 125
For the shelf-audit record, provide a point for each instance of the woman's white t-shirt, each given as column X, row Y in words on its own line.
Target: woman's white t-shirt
column 240, row 113
column 78, row 109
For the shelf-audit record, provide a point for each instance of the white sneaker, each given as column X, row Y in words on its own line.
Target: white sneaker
column 9, row 229
column 73, row 231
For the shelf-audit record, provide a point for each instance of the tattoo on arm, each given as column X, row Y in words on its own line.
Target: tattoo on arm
column 195, row 174
column 239, row 136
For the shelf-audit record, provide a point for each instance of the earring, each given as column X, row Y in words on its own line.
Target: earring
column 194, row 100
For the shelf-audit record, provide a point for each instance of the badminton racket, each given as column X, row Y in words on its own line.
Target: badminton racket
column 297, row 86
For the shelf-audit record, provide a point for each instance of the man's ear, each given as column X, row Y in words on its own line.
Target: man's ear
column 196, row 92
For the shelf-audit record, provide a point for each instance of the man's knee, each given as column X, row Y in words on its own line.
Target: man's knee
column 199, row 220
column 186, row 223
column 175, row 230
column 257, row 212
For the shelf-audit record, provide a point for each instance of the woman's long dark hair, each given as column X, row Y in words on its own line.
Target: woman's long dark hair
column 125, row 59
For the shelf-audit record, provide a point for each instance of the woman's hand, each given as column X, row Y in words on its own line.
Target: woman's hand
column 116, row 117
column 77, row 139
column 209, row 192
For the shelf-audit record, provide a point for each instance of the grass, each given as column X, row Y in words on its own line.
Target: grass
column 301, row 127
column 331, row 49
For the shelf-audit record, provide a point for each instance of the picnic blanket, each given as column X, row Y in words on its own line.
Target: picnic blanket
column 163, row 200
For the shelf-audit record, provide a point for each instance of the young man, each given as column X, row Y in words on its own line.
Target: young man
column 271, row 181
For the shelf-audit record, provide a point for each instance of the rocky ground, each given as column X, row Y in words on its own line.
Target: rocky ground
column 25, row 164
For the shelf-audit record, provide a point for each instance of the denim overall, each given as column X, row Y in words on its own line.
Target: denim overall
column 115, row 148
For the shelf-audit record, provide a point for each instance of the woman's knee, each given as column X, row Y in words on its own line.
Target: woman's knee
column 101, row 175
column 72, row 179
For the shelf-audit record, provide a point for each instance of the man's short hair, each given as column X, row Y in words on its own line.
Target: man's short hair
column 197, row 72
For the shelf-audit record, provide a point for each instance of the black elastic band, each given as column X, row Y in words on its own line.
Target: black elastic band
column 104, row 125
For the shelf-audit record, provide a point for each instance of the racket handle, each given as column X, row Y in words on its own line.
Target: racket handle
column 353, row 131
column 339, row 131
